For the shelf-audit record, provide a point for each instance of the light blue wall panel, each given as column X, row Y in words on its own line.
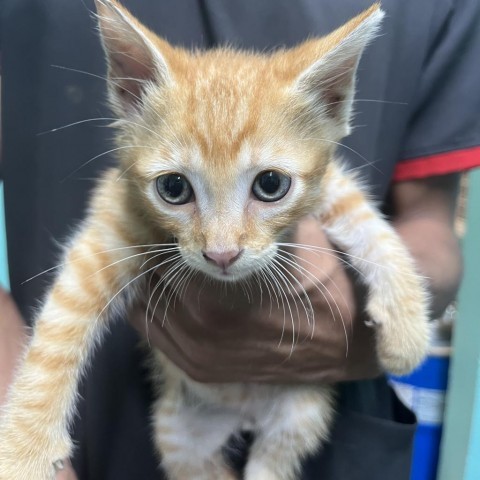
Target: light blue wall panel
column 460, row 459
column 3, row 245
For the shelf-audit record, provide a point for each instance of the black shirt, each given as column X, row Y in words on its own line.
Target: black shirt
column 416, row 115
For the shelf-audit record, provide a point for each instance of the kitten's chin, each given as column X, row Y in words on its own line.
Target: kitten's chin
column 231, row 276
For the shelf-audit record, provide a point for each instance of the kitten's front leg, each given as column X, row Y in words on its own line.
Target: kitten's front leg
column 294, row 425
column 397, row 297
column 41, row 401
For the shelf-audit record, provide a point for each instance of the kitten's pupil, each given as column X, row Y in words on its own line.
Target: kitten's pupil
column 269, row 182
column 271, row 186
column 174, row 185
column 174, row 188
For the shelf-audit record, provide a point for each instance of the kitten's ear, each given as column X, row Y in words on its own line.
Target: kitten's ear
column 327, row 85
column 133, row 55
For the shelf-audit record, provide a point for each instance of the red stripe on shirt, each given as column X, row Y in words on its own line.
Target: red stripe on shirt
column 437, row 164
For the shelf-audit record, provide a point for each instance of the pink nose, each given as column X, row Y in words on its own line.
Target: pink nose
column 222, row 259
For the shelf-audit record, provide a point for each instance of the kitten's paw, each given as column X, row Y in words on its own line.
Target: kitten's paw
column 402, row 330
column 35, row 467
column 27, row 457
column 15, row 471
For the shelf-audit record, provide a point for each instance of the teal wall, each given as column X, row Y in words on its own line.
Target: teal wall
column 472, row 469
column 460, row 455
column 3, row 245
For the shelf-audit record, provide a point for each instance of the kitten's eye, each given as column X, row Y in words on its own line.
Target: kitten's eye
column 174, row 188
column 270, row 186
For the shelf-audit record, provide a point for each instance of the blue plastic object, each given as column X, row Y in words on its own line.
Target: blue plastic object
column 424, row 392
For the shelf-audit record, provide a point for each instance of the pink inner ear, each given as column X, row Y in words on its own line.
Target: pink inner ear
column 335, row 85
column 333, row 103
column 129, row 70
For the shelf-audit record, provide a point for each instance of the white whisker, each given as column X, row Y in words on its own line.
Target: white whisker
column 308, row 311
column 173, row 281
column 282, row 278
column 123, row 288
column 291, row 288
column 113, row 82
column 268, row 273
column 316, row 281
column 162, row 251
column 128, row 258
column 331, row 252
column 176, row 262
column 103, row 154
column 314, row 278
column 60, row 265
column 150, row 295
column 172, row 259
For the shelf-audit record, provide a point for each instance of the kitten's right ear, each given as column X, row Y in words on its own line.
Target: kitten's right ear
column 133, row 55
column 326, row 82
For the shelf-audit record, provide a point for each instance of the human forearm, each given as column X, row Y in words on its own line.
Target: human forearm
column 12, row 339
column 424, row 213
column 436, row 251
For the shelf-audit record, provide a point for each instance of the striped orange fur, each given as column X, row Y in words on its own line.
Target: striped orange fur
column 222, row 122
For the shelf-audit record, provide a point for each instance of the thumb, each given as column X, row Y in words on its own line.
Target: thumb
column 66, row 473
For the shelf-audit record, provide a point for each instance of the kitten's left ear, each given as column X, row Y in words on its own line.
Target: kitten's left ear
column 327, row 85
column 134, row 57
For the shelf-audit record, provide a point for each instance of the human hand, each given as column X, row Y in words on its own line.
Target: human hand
column 13, row 338
column 218, row 334
column 67, row 473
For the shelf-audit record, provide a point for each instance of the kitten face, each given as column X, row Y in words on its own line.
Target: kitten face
column 226, row 150
column 225, row 184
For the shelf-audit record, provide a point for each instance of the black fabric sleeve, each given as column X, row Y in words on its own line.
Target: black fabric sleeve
column 446, row 111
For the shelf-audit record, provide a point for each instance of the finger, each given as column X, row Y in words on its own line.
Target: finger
column 65, row 471
column 12, row 340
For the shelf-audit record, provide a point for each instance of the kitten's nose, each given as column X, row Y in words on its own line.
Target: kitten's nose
column 222, row 259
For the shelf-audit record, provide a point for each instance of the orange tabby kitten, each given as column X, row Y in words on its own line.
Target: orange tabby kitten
column 226, row 151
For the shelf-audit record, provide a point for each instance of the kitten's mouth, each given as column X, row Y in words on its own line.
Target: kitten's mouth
column 229, row 266
column 226, row 274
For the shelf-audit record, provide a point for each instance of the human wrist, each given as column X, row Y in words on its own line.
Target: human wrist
column 441, row 266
